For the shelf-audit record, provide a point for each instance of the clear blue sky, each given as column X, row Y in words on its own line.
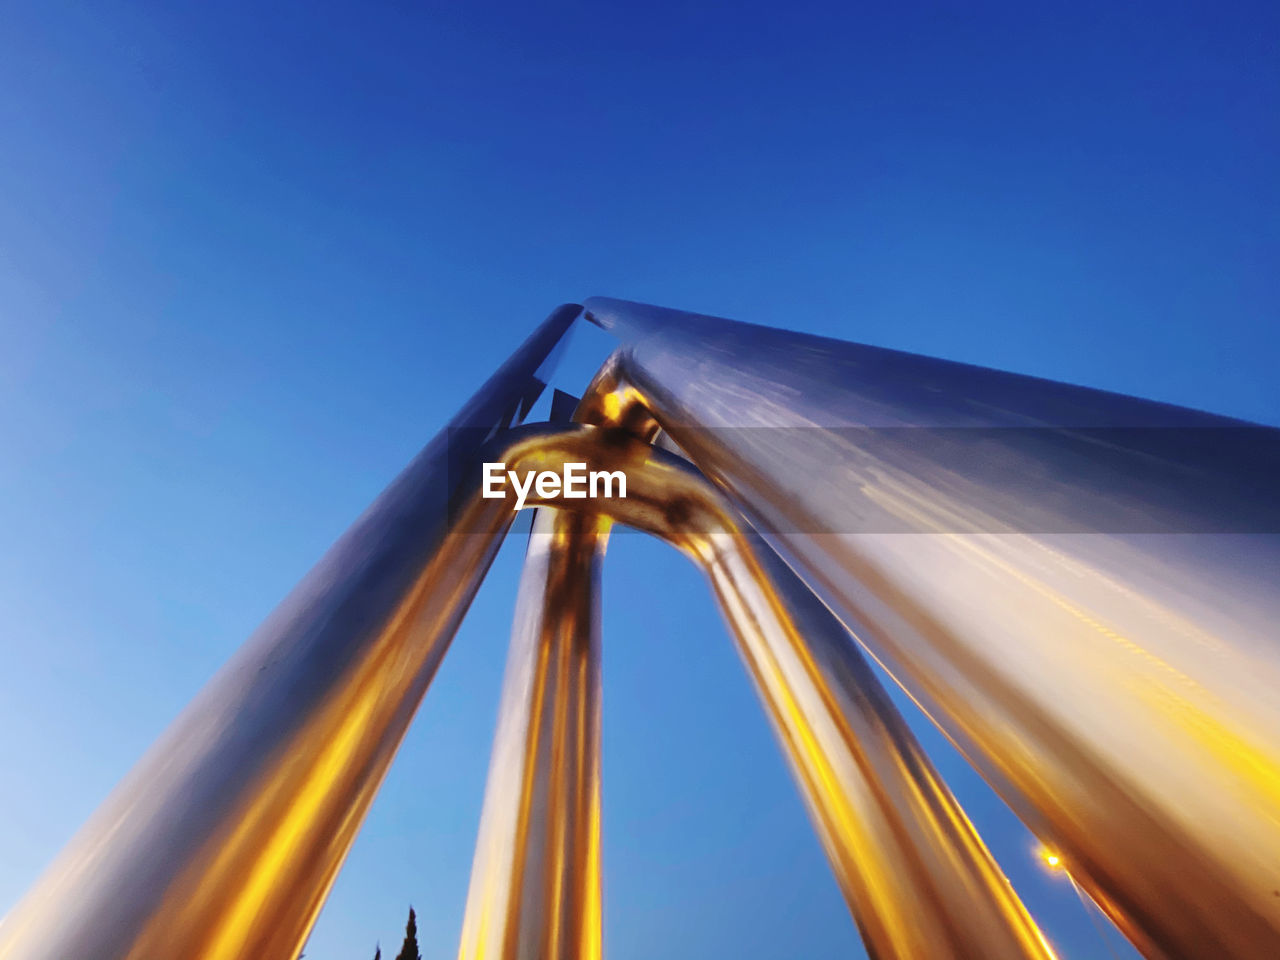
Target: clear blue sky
column 252, row 255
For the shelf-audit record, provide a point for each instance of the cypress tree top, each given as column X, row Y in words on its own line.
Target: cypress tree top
column 410, row 949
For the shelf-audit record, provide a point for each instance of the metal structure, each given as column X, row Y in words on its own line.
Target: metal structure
column 1078, row 587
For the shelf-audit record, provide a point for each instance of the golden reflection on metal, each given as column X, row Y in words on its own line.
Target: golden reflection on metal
column 248, row 877
column 918, row 879
column 917, row 876
column 255, row 887
column 535, row 883
column 223, row 841
column 1118, row 690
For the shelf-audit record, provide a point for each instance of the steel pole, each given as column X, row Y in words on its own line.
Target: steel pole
column 1078, row 586
column 224, row 839
column 535, row 883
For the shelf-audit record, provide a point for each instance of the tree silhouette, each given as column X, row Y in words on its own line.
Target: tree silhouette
column 410, row 949
column 377, row 953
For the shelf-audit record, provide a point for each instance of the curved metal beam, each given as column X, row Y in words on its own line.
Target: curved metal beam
column 917, row 878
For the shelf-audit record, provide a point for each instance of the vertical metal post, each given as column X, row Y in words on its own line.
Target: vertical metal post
column 535, row 883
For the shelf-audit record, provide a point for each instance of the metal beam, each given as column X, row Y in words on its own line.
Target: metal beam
column 223, row 841
column 1078, row 586
column 535, row 883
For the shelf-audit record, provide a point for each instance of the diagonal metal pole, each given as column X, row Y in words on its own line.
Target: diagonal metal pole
column 1078, row 586
column 535, row 888
column 223, row 841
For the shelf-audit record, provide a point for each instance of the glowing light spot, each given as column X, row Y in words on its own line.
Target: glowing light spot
column 1051, row 860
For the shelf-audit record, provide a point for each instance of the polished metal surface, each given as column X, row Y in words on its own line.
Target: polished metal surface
column 535, row 883
column 1079, row 587
column 918, row 879
column 224, row 840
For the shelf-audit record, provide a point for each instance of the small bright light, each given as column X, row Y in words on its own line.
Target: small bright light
column 1051, row 859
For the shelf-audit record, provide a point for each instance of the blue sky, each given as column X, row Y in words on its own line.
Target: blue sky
column 253, row 255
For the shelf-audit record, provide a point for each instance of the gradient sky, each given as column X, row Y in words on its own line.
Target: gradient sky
column 252, row 255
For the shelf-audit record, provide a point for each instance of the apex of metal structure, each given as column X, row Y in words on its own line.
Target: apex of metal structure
column 631, row 316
